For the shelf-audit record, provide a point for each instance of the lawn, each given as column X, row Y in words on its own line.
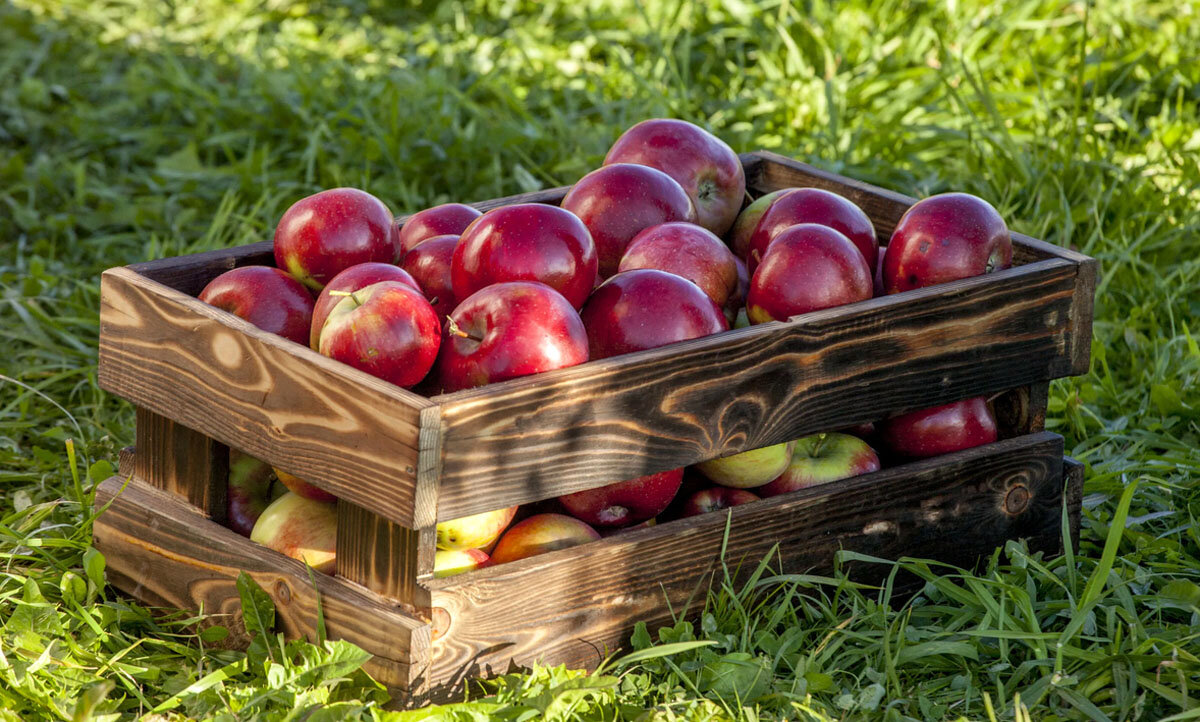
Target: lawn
column 132, row 130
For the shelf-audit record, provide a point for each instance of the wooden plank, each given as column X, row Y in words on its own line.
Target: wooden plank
column 334, row 426
column 1073, row 498
column 163, row 552
column 182, row 462
column 576, row 605
column 623, row 417
column 1021, row 410
column 381, row 556
column 1082, row 309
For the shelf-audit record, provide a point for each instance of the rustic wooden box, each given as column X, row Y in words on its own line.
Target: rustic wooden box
column 204, row 380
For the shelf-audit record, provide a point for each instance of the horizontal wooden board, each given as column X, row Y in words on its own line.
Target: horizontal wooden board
column 577, row 605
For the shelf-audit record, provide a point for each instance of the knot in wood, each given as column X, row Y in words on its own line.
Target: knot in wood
column 1017, row 499
column 283, row 593
column 440, row 622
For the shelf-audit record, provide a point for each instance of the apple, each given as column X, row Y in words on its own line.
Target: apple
column 940, row 429
column 446, row 219
column 808, row 267
column 877, row 280
column 429, row 265
column 687, row 250
column 302, row 529
column 526, row 242
column 821, row 458
column 647, row 308
column 748, row 469
column 478, row 531
column 303, row 488
column 448, row 562
column 747, row 220
column 352, row 279
column 863, row 431
column 813, row 205
column 944, row 238
column 703, row 164
column 540, row 534
column 610, row 531
column 266, row 297
column 508, row 330
column 735, row 305
column 616, row 202
column 625, row 502
column 249, row 491
column 387, row 329
column 715, row 499
column 324, row 234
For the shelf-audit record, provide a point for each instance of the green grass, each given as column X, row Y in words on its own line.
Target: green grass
column 130, row 130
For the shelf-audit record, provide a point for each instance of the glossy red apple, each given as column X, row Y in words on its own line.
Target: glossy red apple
column 808, row 267
column 625, row 502
column 813, row 205
column 429, row 265
column 508, row 330
column 703, row 164
column 618, row 201
column 266, row 297
column 387, row 329
column 735, row 305
column 540, row 534
column 822, row 458
column 940, row 429
column 637, row 310
column 716, row 499
column 303, row 488
column 526, row 242
column 944, row 238
column 249, row 491
column 747, row 221
column 300, row 528
column 687, row 250
column 448, row 219
column 352, row 279
column 324, row 234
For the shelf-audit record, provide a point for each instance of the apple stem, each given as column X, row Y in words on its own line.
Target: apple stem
column 816, row 449
column 453, row 329
column 357, row 300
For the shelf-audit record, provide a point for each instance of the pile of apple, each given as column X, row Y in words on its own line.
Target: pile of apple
column 633, row 259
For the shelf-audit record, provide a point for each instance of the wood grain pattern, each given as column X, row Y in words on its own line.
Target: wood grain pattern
column 343, row 430
column 1021, row 410
column 576, row 605
column 163, row 552
column 380, row 555
column 182, row 462
column 1073, row 471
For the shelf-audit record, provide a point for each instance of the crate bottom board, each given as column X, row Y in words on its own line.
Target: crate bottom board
column 576, row 606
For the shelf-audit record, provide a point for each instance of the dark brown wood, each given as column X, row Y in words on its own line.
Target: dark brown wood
column 619, row 418
column 575, row 606
column 1073, row 471
column 182, row 462
column 1021, row 410
column 380, row 555
column 332, row 425
column 1081, row 316
column 163, row 552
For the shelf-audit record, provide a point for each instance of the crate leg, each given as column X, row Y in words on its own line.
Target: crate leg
column 383, row 556
column 1022, row 410
column 183, row 462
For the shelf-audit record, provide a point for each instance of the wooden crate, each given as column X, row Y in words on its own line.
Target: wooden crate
column 204, row 380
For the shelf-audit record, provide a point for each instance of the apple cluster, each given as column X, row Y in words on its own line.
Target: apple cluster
column 652, row 248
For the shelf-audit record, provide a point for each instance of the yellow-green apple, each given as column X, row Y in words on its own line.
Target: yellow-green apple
column 808, row 267
column 822, row 458
column 748, row 469
column 448, row 562
column 302, row 487
column 813, row 205
column 302, row 529
column 448, row 219
column 703, row 164
column 647, row 308
column 687, row 250
column 940, row 429
column 352, row 279
column 478, row 531
column 387, row 329
column 508, row 330
column 266, row 297
column 944, row 238
column 618, row 201
column 249, row 491
column 747, row 220
column 429, row 265
column 625, row 502
column 540, row 534
column 324, row 234
column 715, row 499
column 526, row 242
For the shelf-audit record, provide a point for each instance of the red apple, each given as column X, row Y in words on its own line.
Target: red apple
column 266, row 297
column 944, row 238
column 618, row 201
column 608, row 531
column 300, row 528
column 429, row 265
column 526, row 242
column 448, row 562
column 303, row 488
column 813, row 205
column 716, row 499
column 747, row 221
column 478, row 531
column 448, row 219
column 940, row 429
column 646, row 308
column 821, row 458
column 687, row 250
column 249, row 491
column 352, row 279
column 735, row 305
column 540, row 534
column 808, row 267
column 324, row 234
column 707, row 169
column 509, row 330
column 387, row 329
column 625, row 502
